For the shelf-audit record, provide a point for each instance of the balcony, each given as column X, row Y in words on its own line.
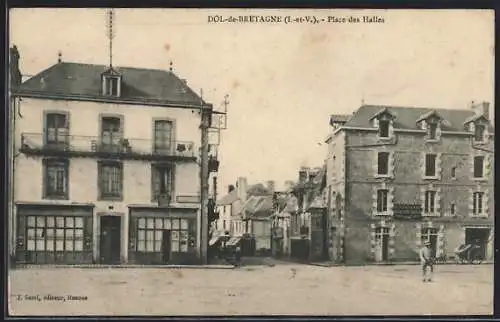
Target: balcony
column 94, row 146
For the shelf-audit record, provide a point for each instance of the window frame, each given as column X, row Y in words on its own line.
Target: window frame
column 189, row 231
column 430, row 201
column 57, row 135
column 107, row 85
column 435, row 175
column 483, row 168
column 387, row 163
column 160, row 149
column 61, row 163
column 384, row 125
column 100, row 180
column 384, row 194
column 482, row 133
column 478, row 204
column 171, row 169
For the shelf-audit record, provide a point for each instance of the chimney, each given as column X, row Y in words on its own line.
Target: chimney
column 481, row 109
column 271, row 185
column 303, row 175
column 15, row 72
column 241, row 186
column 230, row 188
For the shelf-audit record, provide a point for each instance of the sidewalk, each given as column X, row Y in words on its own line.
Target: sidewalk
column 333, row 264
column 101, row 266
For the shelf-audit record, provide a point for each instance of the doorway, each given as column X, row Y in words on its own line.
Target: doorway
column 382, row 244
column 110, row 240
column 166, row 245
column 480, row 237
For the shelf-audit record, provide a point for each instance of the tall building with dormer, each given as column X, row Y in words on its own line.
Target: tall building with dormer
column 399, row 176
column 105, row 166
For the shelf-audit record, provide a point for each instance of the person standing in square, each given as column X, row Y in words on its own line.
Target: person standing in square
column 427, row 262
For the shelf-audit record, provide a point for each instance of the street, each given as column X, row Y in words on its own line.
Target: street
column 253, row 290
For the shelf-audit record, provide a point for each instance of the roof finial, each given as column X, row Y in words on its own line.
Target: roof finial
column 171, row 65
column 59, row 56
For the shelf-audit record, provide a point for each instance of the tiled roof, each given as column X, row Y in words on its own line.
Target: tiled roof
column 259, row 206
column 84, row 80
column 340, row 118
column 228, row 199
column 406, row 117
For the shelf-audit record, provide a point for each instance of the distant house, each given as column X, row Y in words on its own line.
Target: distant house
column 246, row 210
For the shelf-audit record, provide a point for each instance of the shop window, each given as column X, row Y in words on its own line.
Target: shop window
column 150, row 234
column 48, row 234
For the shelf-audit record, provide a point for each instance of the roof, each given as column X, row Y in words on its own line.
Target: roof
column 406, row 117
column 259, row 206
column 84, row 80
column 228, row 199
column 339, row 118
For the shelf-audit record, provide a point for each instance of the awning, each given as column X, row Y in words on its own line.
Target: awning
column 214, row 240
column 233, row 241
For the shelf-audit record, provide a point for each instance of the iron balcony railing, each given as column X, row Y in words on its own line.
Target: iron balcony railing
column 38, row 142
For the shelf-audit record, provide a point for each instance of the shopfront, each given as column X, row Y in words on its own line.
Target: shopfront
column 54, row 234
column 159, row 236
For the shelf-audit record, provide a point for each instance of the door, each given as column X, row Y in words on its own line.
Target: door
column 385, row 247
column 166, row 246
column 110, row 239
column 478, row 236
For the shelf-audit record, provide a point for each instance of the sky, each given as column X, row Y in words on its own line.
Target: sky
column 283, row 80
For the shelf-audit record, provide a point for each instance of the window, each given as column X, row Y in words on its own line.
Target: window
column 430, row 165
column 163, row 136
column 111, row 85
column 432, row 131
column 430, row 202
column 111, row 133
column 383, row 163
column 479, row 131
column 162, row 180
column 384, row 128
column 110, row 180
column 57, row 129
column 477, row 203
column 452, row 209
column 380, row 232
column 453, row 172
column 382, row 200
column 55, row 179
column 51, row 234
column 478, row 167
column 150, row 234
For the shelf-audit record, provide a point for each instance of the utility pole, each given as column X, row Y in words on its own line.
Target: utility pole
column 204, row 176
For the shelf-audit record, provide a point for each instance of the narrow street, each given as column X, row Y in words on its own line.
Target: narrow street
column 253, row 290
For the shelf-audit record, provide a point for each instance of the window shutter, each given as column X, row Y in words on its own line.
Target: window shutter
column 392, row 236
column 471, row 166
column 440, row 249
column 437, row 206
column 155, row 182
column 372, row 239
column 374, row 200
column 100, row 178
column 391, row 129
column 438, row 131
column 439, row 169
column 391, row 164
column 422, row 197
column 418, row 235
column 487, row 166
column 422, row 163
column 375, row 163
column 471, row 202
column 390, row 201
column 172, row 183
column 486, row 199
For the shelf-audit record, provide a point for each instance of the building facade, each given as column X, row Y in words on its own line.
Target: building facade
column 106, row 167
column 397, row 177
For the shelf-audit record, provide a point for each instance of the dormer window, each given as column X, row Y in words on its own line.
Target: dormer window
column 383, row 128
column 111, row 83
column 479, row 132
column 383, row 121
column 431, row 123
column 432, row 131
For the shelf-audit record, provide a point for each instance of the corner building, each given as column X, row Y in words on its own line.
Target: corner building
column 106, row 167
column 399, row 176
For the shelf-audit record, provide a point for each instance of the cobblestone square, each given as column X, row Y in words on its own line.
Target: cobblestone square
column 282, row 289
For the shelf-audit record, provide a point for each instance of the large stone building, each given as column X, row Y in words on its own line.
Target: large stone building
column 399, row 176
column 105, row 166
